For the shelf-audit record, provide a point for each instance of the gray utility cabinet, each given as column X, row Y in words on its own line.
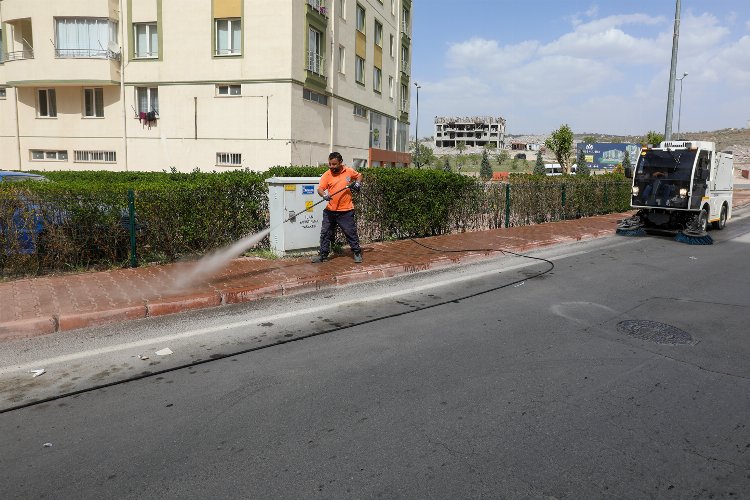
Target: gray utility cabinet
column 296, row 196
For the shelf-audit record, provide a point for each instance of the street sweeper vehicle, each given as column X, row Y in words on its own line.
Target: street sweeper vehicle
column 679, row 188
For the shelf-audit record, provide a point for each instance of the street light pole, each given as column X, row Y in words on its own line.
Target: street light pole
column 416, row 149
column 672, row 74
column 679, row 108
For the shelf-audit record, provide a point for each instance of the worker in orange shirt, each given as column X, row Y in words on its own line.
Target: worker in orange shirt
column 340, row 209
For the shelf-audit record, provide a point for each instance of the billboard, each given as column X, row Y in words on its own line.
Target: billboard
column 607, row 155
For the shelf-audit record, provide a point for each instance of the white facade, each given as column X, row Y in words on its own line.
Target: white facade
column 209, row 84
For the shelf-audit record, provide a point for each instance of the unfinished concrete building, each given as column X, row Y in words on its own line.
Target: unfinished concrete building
column 473, row 131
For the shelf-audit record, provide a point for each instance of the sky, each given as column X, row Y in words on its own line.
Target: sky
column 599, row 66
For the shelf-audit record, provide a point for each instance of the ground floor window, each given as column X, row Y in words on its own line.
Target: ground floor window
column 47, row 155
column 229, row 159
column 228, row 90
column 95, row 156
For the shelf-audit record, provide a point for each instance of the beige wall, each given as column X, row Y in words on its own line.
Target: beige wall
column 270, row 124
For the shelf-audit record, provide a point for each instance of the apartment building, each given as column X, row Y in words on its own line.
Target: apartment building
column 209, row 84
column 473, row 131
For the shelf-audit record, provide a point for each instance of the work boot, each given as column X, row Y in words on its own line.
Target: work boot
column 357, row 257
column 319, row 258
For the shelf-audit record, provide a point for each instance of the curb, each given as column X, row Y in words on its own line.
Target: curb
column 32, row 327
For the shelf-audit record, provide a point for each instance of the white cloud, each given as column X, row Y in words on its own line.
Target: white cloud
column 606, row 74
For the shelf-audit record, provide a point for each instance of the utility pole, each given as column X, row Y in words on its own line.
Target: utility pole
column 672, row 74
column 416, row 148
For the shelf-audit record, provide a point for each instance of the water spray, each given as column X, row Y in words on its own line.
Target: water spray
column 212, row 262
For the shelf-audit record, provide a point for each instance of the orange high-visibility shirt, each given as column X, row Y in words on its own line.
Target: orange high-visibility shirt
column 342, row 201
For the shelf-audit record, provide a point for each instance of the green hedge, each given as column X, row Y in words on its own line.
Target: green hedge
column 84, row 217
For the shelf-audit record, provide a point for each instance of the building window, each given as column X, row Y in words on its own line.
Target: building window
column 148, row 99
column 378, row 34
column 393, row 7
column 359, row 70
column 228, row 37
column 3, row 92
column 393, row 47
column 47, row 104
column 404, row 59
column 342, row 9
column 42, row 155
column 360, row 18
column 315, row 62
column 80, row 37
column 228, row 90
column 2, row 48
column 228, row 159
column 391, row 89
column 146, row 40
column 95, row 156
column 309, row 95
column 405, row 21
column 93, row 103
column 360, row 110
column 342, row 59
column 404, row 98
column 377, row 79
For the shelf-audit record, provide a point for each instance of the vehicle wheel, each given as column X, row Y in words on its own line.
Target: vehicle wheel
column 703, row 220
column 722, row 222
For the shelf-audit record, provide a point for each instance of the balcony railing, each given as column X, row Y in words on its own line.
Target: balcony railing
column 86, row 54
column 20, row 55
column 405, row 27
column 404, row 108
column 316, row 63
column 318, row 6
column 405, row 67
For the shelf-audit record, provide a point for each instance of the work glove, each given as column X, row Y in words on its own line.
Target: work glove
column 327, row 196
column 355, row 186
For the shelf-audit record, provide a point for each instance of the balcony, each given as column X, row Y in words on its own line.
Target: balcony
column 316, row 64
column 19, row 55
column 405, row 67
column 318, row 6
column 86, row 54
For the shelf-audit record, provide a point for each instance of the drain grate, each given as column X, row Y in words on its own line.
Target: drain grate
column 653, row 331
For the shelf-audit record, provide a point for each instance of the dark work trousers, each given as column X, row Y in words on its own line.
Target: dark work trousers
column 344, row 220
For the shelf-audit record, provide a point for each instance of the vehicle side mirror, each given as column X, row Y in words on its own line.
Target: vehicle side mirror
column 628, row 172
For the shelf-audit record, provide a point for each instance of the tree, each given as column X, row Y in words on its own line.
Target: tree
column 583, row 167
column 423, row 155
column 589, row 139
column 654, row 138
column 485, row 171
column 460, row 147
column 447, row 163
column 626, row 164
column 502, row 157
column 490, row 146
column 539, row 165
column 561, row 143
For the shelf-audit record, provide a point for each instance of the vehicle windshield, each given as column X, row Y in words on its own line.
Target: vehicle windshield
column 21, row 178
column 667, row 165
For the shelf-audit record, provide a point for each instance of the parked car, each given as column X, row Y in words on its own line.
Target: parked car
column 25, row 220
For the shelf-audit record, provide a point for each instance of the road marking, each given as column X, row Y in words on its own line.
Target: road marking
column 276, row 317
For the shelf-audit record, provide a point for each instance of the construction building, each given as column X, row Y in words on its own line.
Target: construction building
column 473, row 131
column 212, row 84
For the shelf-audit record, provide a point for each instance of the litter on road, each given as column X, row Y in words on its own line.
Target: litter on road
column 164, row 352
column 47, row 445
column 38, row 372
column 141, row 356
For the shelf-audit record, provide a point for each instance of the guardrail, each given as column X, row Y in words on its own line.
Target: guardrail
column 315, row 63
column 86, row 54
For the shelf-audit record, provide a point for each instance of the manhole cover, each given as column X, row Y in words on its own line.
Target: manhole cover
column 653, row 331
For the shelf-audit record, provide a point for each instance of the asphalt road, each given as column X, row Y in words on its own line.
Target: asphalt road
column 422, row 387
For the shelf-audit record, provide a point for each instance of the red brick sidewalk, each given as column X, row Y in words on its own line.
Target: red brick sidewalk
column 52, row 304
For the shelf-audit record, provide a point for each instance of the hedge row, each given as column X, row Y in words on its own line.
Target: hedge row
column 81, row 220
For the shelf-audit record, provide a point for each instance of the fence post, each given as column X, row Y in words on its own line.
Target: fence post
column 131, row 213
column 564, row 199
column 507, row 205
